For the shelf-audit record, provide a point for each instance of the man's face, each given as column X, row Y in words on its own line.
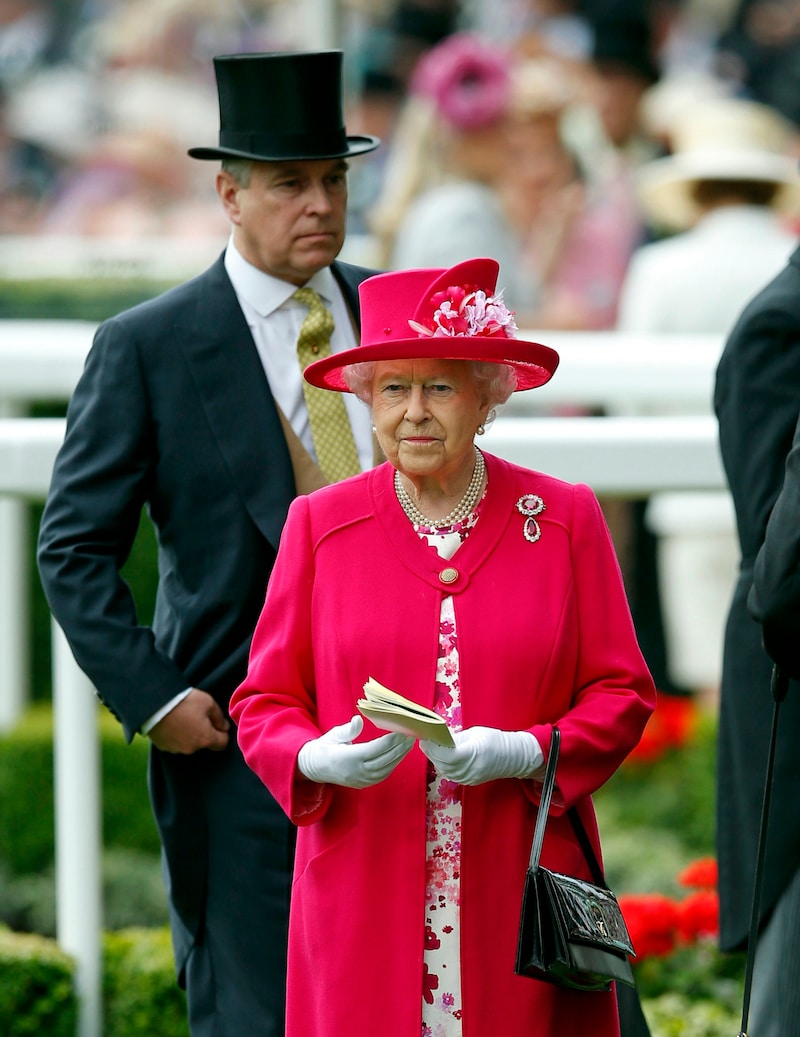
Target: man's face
column 290, row 220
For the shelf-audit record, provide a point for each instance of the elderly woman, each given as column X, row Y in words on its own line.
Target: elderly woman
column 483, row 590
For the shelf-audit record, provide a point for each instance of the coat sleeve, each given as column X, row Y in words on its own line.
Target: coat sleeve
column 756, row 394
column 775, row 595
column 90, row 520
column 611, row 690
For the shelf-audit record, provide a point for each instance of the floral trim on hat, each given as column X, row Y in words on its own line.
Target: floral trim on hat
column 466, row 310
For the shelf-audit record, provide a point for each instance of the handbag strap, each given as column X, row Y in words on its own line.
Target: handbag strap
column 779, row 685
column 547, row 795
column 577, row 824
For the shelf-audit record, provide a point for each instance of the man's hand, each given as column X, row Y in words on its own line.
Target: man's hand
column 197, row 722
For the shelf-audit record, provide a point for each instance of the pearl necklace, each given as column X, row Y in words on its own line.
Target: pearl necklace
column 459, row 512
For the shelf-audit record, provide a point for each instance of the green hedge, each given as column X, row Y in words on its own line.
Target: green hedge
column 26, row 792
column 36, row 987
column 140, row 995
column 92, row 299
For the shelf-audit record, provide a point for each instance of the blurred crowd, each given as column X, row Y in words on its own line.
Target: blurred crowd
column 620, row 158
column 511, row 126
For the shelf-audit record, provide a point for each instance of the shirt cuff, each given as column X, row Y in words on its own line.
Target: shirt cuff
column 151, row 722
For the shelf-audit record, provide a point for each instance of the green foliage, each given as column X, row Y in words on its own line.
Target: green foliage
column 670, row 799
column 91, row 299
column 26, row 792
column 133, row 895
column 140, row 993
column 698, row 971
column 36, row 988
column 675, row 1015
column 26, row 795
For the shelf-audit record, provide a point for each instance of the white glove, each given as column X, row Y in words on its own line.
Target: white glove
column 484, row 754
column 333, row 759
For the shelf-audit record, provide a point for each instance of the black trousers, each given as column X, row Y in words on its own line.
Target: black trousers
column 230, row 851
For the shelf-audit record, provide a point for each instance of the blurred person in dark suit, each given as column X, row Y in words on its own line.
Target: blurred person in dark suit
column 757, row 401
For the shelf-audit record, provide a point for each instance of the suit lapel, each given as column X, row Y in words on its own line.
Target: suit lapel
column 237, row 400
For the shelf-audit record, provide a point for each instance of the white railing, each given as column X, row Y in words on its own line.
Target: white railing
column 619, row 455
column 27, row 451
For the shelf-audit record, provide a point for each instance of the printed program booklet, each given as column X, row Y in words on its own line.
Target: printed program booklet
column 394, row 712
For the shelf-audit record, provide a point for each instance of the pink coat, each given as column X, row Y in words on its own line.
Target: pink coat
column 545, row 635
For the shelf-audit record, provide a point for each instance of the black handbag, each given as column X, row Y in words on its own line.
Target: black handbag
column 571, row 931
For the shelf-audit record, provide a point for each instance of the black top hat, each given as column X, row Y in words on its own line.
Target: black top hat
column 283, row 106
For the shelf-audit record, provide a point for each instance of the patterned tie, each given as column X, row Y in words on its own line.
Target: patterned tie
column 327, row 414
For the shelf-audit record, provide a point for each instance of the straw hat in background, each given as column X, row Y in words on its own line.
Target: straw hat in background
column 719, row 139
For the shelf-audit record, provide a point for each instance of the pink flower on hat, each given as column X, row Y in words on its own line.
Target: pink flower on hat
column 467, row 80
column 465, row 310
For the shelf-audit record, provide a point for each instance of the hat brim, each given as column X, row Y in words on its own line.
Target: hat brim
column 533, row 362
column 664, row 185
column 355, row 146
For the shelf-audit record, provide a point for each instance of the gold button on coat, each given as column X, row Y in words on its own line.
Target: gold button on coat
column 448, row 575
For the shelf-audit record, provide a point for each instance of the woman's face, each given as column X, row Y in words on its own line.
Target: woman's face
column 426, row 414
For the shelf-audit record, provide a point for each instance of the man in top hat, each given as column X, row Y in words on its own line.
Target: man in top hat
column 192, row 406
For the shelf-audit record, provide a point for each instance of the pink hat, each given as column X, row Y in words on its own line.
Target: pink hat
column 467, row 79
column 449, row 314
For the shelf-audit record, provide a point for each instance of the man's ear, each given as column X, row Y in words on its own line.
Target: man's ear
column 228, row 191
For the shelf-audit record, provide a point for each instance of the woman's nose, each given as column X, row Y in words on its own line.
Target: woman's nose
column 417, row 406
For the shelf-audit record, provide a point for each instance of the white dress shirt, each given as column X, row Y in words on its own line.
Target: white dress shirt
column 274, row 319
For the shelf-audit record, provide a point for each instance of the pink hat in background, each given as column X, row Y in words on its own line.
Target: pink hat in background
column 467, row 80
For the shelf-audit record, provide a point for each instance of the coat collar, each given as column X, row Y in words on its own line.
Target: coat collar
column 452, row 576
column 238, row 404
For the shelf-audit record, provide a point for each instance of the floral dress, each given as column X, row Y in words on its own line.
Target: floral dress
column 441, row 990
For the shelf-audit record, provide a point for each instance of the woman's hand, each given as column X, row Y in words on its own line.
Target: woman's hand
column 333, row 759
column 484, row 754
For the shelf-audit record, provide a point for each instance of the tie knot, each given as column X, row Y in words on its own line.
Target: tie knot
column 308, row 296
column 317, row 326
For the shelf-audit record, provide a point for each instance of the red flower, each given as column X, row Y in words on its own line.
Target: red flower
column 455, row 294
column 652, row 920
column 698, row 915
column 700, row 874
column 670, row 727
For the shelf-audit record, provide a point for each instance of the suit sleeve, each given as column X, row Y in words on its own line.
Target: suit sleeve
column 775, row 596
column 756, row 401
column 99, row 485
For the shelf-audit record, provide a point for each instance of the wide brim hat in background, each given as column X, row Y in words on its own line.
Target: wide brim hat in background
column 447, row 314
column 723, row 138
column 282, row 107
